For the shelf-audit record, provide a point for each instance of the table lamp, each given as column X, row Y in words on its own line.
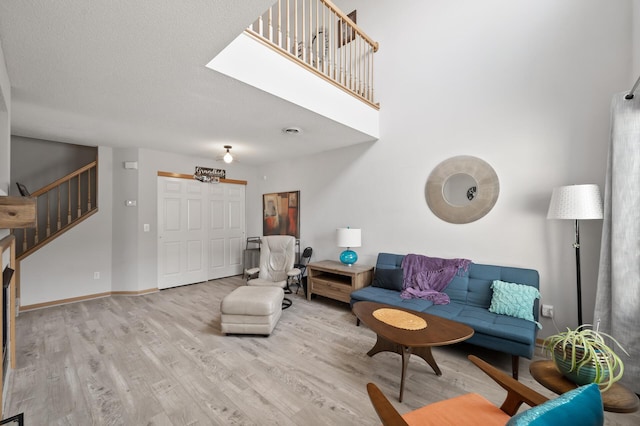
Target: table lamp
column 348, row 237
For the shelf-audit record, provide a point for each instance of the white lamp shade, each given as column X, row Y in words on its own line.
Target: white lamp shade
column 348, row 237
column 575, row 202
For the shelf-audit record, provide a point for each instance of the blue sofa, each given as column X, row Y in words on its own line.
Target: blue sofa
column 470, row 293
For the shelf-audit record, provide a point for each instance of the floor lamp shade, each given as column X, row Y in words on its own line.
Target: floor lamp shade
column 576, row 202
column 348, row 237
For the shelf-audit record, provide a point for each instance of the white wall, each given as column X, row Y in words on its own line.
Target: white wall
column 525, row 85
column 5, row 127
column 112, row 241
column 5, row 133
column 286, row 79
column 61, row 159
column 64, row 268
column 125, row 222
column 636, row 39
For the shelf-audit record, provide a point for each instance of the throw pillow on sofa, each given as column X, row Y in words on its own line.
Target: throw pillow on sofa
column 391, row 279
column 515, row 300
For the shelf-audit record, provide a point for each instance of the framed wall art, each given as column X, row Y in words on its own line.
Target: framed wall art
column 281, row 213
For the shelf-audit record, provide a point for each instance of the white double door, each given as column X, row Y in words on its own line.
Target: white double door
column 201, row 230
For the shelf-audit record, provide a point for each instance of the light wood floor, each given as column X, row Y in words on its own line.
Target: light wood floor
column 160, row 359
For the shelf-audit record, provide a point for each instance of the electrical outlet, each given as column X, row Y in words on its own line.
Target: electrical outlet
column 96, row 275
column 547, row 311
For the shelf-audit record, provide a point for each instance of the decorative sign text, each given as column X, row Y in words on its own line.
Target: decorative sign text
column 205, row 174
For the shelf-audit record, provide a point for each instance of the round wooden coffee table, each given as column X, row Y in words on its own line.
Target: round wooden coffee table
column 437, row 332
column 617, row 398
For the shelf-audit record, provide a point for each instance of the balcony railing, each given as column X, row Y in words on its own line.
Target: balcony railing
column 322, row 38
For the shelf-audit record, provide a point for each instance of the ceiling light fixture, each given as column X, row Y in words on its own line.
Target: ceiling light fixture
column 228, row 158
column 292, row 130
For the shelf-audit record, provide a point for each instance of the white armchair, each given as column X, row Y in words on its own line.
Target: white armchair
column 277, row 256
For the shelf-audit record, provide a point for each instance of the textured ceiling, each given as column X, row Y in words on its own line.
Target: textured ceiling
column 128, row 73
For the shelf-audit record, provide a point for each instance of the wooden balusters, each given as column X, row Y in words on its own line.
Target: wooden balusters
column 79, row 201
column 325, row 39
column 75, row 191
column 89, row 190
column 48, row 210
column 68, row 205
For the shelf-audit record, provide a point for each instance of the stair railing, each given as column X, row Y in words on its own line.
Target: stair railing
column 59, row 206
column 318, row 35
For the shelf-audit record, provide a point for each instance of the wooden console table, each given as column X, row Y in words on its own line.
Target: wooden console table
column 617, row 398
column 335, row 280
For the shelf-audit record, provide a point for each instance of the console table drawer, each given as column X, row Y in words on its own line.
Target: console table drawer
column 334, row 280
column 333, row 290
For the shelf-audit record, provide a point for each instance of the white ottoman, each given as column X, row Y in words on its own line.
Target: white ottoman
column 251, row 310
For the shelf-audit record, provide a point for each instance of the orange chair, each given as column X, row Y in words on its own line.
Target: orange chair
column 579, row 406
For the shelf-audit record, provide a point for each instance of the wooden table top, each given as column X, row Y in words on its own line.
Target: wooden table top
column 334, row 265
column 616, row 399
column 439, row 331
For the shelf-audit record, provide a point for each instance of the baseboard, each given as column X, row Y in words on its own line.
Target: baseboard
column 134, row 293
column 82, row 298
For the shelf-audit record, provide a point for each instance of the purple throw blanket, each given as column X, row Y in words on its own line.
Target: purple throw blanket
column 425, row 277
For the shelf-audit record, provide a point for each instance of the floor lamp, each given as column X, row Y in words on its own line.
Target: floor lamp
column 577, row 202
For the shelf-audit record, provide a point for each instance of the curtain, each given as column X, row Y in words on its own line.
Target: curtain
column 618, row 293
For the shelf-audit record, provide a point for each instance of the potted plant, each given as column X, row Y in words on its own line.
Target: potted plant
column 583, row 356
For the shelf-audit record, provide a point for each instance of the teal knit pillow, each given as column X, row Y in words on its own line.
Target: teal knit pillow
column 581, row 406
column 515, row 300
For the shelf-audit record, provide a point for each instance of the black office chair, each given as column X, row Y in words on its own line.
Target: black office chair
column 296, row 276
column 23, row 190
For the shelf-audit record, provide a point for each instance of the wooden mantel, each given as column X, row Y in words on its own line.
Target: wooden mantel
column 17, row 212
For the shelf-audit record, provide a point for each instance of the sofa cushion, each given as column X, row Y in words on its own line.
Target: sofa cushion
column 391, row 279
column 515, row 300
column 389, row 297
column 485, row 322
column 389, row 260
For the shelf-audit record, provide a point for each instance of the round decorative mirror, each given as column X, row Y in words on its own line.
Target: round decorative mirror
column 459, row 189
column 462, row 189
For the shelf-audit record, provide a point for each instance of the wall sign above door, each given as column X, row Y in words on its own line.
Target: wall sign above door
column 205, row 174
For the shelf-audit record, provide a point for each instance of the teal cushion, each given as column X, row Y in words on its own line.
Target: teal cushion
column 391, row 279
column 581, row 406
column 515, row 300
